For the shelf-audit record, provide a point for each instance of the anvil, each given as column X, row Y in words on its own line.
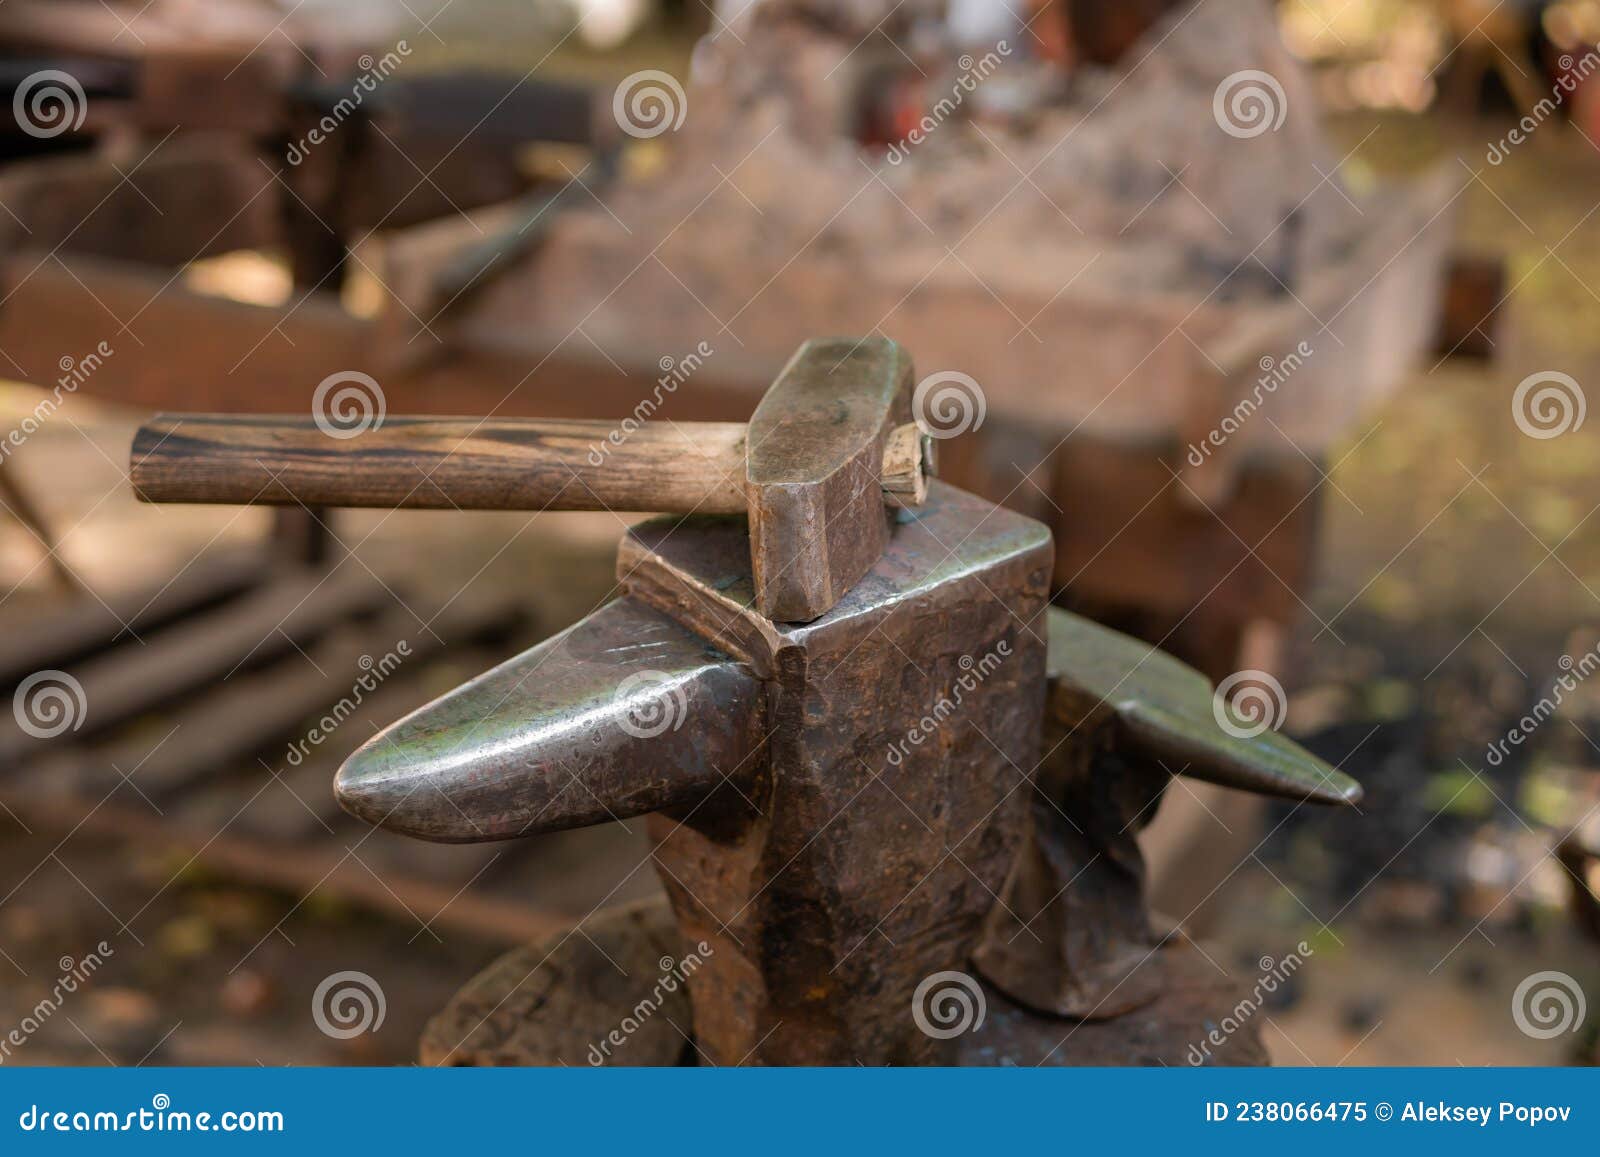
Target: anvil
column 834, row 805
column 845, row 808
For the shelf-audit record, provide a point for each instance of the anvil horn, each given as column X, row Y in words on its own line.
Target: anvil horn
column 1168, row 711
column 623, row 713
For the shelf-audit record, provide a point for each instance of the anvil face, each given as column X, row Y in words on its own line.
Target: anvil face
column 902, row 731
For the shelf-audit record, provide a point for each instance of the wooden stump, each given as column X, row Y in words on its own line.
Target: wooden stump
column 595, row 995
column 571, row 999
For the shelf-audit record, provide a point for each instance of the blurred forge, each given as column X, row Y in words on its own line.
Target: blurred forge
column 1411, row 55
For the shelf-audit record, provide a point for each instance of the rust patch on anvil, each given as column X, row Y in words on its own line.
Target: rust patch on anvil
column 904, row 728
column 1072, row 936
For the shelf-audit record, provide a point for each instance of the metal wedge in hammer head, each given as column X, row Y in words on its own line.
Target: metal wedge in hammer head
column 834, row 804
column 830, row 452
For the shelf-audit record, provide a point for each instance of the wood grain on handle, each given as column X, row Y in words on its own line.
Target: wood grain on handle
column 442, row 463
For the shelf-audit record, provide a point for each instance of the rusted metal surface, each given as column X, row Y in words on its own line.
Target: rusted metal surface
column 616, row 996
column 1074, row 973
column 1072, row 934
column 1189, row 1000
column 812, row 472
column 902, row 854
column 878, row 851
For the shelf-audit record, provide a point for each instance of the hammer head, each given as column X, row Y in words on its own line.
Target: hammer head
column 814, row 462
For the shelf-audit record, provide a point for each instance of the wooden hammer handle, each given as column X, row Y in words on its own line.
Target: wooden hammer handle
column 458, row 463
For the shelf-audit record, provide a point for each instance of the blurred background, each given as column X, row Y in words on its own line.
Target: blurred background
column 1281, row 315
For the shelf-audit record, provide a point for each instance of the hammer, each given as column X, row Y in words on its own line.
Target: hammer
column 835, row 804
column 826, row 456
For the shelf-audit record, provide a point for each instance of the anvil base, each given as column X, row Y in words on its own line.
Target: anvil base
column 563, row 1001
